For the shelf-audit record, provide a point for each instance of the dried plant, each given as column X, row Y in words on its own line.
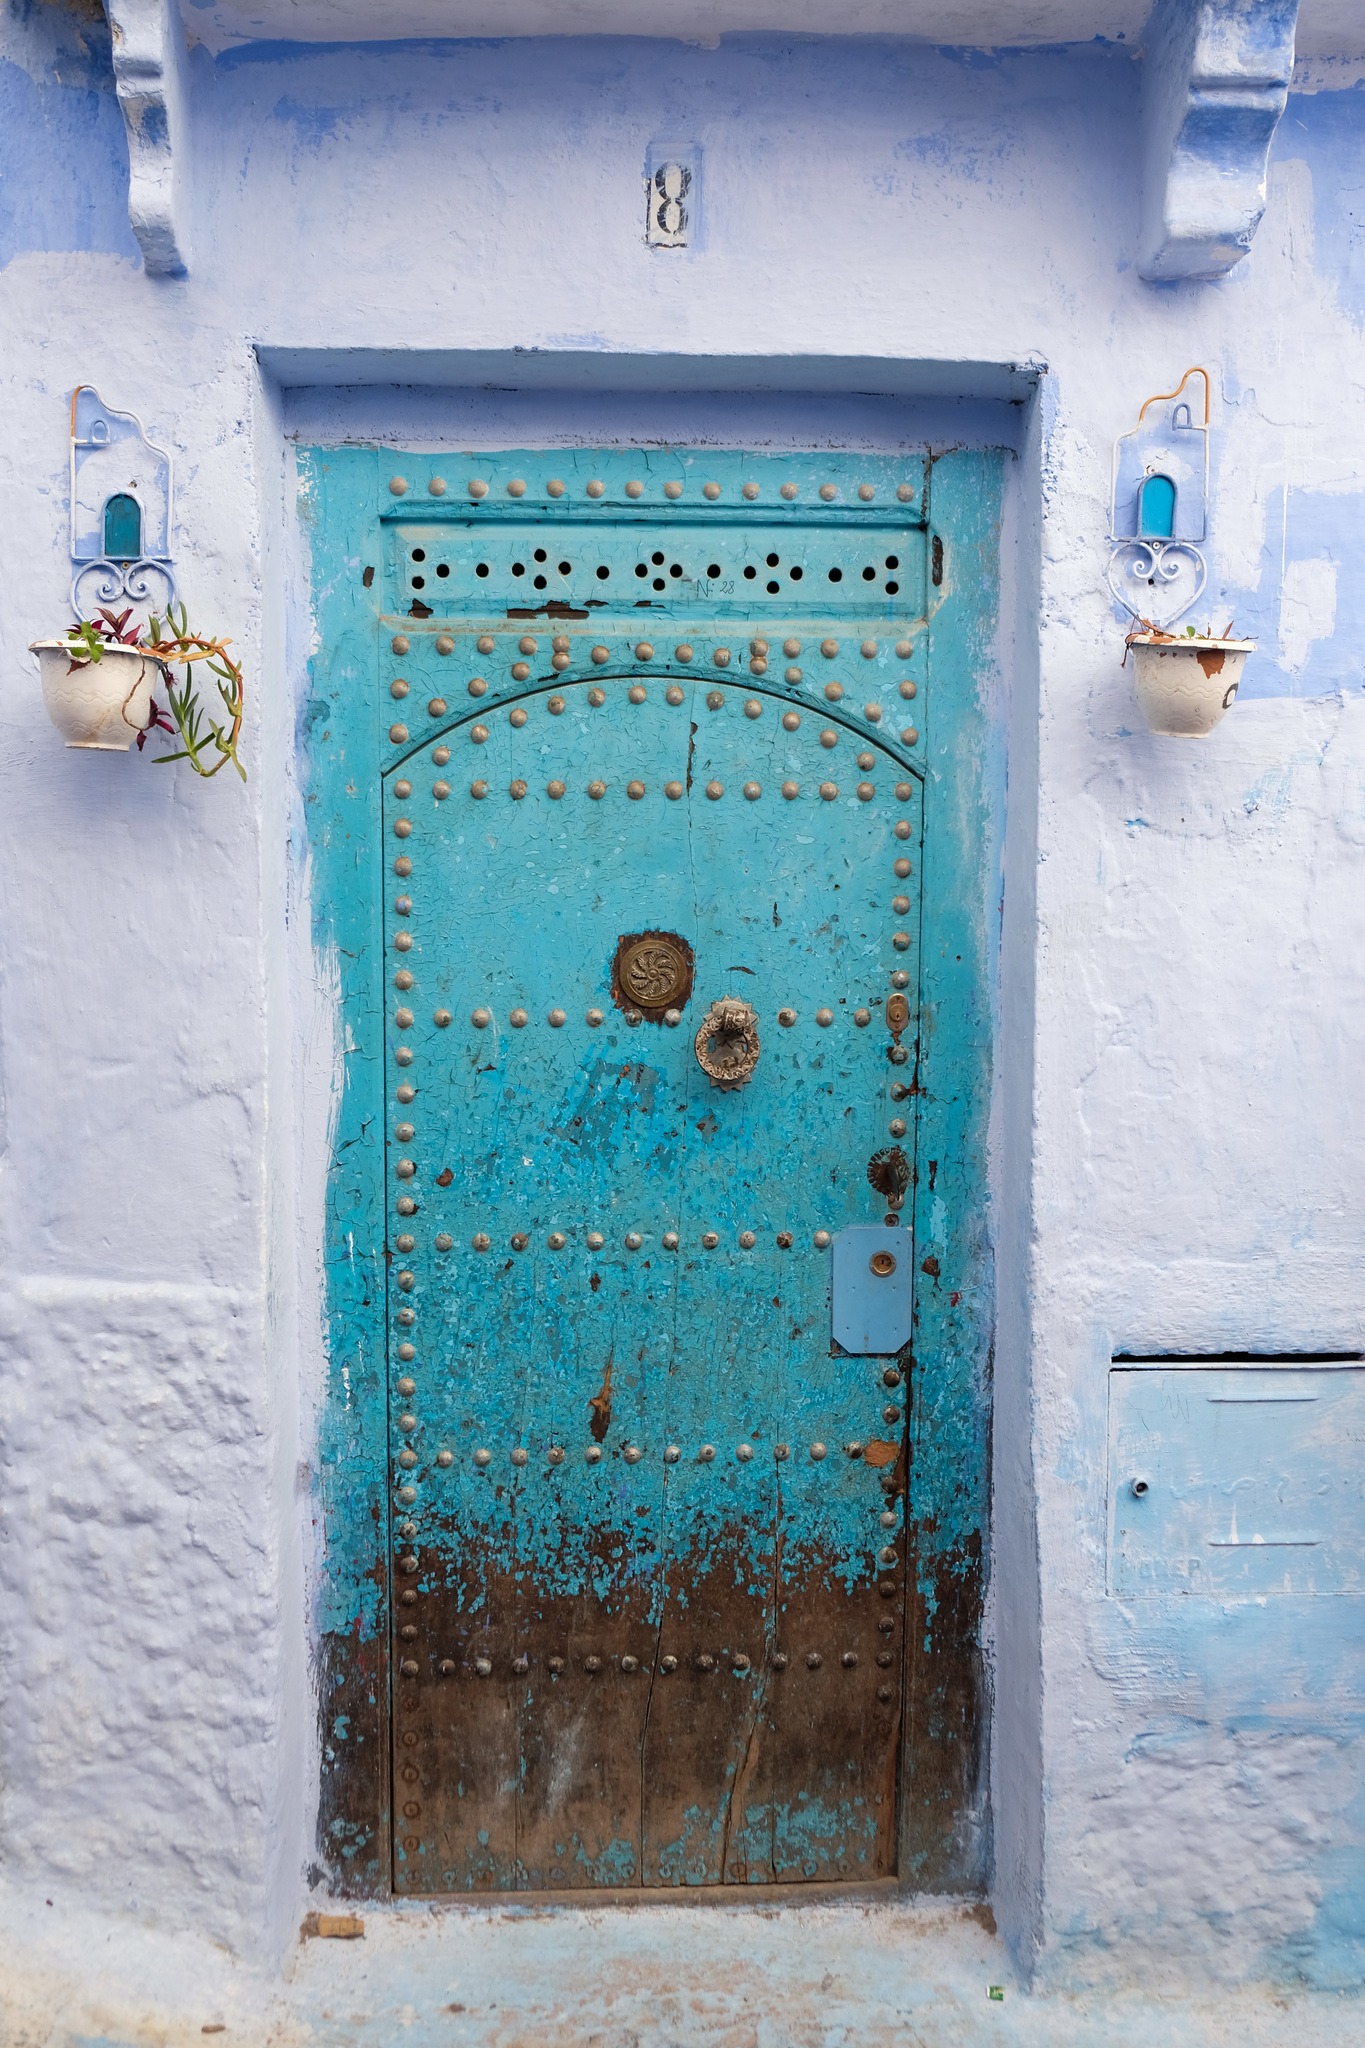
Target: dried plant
column 1143, row 629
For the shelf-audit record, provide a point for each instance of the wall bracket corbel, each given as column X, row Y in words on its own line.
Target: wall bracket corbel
column 149, row 66
column 1215, row 79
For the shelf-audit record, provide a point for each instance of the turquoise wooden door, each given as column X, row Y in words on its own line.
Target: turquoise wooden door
column 647, row 884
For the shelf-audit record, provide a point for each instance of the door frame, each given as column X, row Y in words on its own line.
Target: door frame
column 944, row 1833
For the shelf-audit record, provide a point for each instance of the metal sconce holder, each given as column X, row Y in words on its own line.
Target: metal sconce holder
column 1159, row 506
column 120, row 511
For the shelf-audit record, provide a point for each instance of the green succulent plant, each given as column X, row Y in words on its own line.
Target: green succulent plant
column 208, row 739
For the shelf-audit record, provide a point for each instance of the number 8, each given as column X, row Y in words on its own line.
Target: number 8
column 671, row 182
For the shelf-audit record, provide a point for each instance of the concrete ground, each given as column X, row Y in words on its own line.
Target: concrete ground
column 755, row 1976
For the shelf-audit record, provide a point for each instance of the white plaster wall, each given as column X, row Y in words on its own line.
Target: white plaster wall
column 1180, row 1162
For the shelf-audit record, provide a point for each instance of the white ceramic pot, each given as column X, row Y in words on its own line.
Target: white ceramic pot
column 1185, row 686
column 101, row 704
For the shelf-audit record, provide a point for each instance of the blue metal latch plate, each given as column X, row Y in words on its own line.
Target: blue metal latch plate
column 871, row 1289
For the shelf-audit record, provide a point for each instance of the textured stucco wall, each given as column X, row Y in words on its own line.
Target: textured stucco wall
column 1179, row 1161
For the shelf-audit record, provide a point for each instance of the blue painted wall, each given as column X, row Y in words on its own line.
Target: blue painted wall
column 1182, row 934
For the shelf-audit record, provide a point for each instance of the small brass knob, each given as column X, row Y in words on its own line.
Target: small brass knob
column 882, row 1263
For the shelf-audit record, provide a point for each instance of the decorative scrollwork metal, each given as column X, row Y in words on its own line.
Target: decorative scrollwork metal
column 1158, row 514
column 120, row 511
column 1156, row 580
column 726, row 1044
column 140, row 584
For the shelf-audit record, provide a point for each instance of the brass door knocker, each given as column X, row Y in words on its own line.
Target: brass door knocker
column 727, row 1043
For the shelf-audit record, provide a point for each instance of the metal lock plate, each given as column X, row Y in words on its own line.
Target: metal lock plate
column 871, row 1289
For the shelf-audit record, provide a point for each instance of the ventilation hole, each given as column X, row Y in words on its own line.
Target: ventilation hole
column 518, row 568
column 713, row 569
column 540, row 554
column 603, row 573
column 676, row 570
column 773, row 589
column 836, row 575
column 869, row 575
column 565, row 567
column 892, row 589
column 539, row 582
column 893, row 561
column 443, row 568
column 659, row 583
column 419, row 554
column 796, row 574
column 482, row 569
column 772, row 561
column 419, row 582
column 656, row 560
column 642, row 568
column 750, row 574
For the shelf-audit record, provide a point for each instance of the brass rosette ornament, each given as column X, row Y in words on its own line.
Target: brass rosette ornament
column 652, row 974
column 726, row 1044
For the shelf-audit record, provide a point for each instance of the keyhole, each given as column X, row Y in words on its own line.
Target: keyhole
column 882, row 1263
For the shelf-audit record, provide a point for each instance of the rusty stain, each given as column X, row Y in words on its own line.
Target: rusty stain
column 418, row 610
column 879, row 1452
column 444, row 1178
column 888, row 1171
column 368, row 578
column 931, row 1267
column 1211, row 660
column 555, row 609
column 600, row 1405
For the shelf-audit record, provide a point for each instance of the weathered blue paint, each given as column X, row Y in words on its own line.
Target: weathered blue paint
column 1236, row 1482
column 1258, row 1644
column 523, row 1359
column 944, row 1825
column 338, row 756
column 1216, row 78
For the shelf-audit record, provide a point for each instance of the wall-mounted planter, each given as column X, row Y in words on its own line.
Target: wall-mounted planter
column 100, row 704
column 1184, row 686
